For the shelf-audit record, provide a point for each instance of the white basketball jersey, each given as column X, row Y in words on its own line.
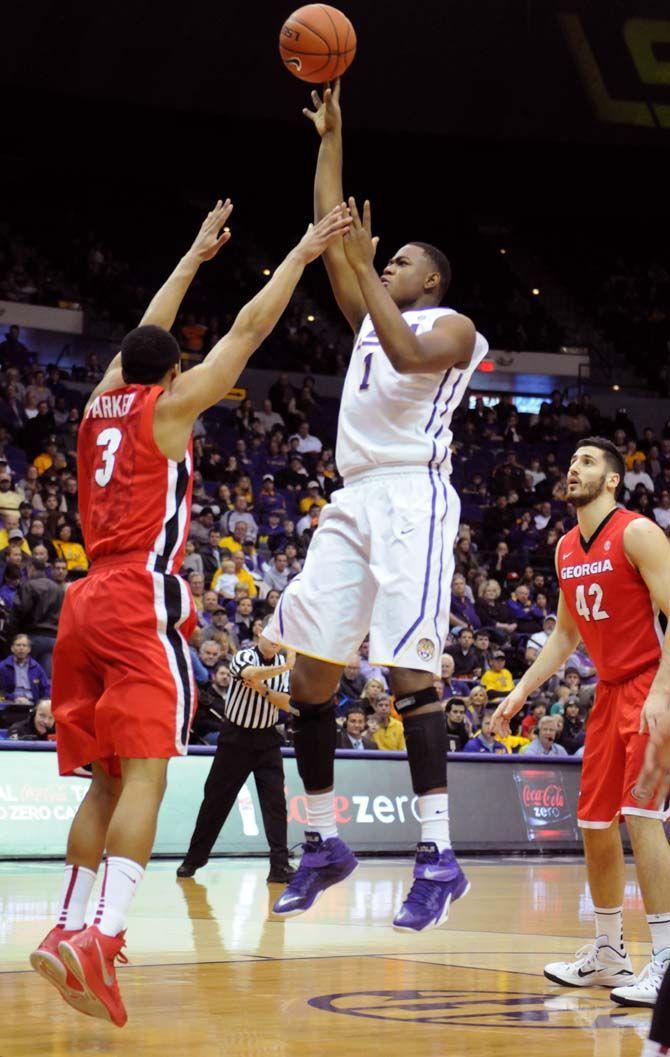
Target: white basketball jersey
column 392, row 419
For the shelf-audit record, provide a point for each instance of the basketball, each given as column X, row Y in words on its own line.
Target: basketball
column 317, row 43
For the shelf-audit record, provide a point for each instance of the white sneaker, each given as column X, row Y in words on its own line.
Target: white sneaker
column 596, row 965
column 644, row 991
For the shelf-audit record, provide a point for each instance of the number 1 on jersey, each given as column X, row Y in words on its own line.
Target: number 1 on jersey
column 365, row 384
column 109, row 440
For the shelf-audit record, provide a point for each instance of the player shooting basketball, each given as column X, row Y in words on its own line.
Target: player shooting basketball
column 381, row 559
column 614, row 575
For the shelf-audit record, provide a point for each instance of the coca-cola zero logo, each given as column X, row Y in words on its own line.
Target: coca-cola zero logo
column 551, row 795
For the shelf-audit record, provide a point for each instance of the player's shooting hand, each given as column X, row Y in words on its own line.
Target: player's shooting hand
column 505, row 711
column 290, row 659
column 359, row 244
column 326, row 116
column 213, row 232
column 318, row 237
column 655, row 707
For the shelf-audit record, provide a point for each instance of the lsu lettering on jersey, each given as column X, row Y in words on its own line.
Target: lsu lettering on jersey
column 608, row 599
column 392, row 419
column 131, row 497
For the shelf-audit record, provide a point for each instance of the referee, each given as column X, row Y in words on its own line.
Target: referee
column 249, row 743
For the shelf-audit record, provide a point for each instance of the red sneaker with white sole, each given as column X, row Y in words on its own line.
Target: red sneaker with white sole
column 90, row 957
column 46, row 960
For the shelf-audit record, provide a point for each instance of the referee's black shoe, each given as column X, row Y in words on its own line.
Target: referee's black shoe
column 186, row 869
column 280, row 875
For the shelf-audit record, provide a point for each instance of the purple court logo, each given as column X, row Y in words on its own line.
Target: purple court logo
column 426, row 649
column 479, row 1009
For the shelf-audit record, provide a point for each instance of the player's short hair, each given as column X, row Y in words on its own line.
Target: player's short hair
column 613, row 457
column 147, row 354
column 439, row 262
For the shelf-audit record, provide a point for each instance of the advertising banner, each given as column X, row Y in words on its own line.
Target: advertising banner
column 496, row 804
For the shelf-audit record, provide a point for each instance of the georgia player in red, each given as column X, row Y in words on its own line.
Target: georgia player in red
column 614, row 575
column 123, row 690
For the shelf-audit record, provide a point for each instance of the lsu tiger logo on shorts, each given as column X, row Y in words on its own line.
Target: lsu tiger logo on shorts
column 426, row 649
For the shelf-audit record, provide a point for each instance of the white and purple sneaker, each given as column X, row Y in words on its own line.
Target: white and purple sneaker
column 324, row 863
column 438, row 882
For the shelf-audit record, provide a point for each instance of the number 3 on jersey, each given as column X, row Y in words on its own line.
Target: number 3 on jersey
column 109, row 440
column 595, row 592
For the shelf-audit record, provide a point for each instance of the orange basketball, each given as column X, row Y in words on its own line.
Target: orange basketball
column 317, row 43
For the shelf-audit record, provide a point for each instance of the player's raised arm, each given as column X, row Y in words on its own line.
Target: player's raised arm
column 450, row 343
column 328, row 191
column 204, row 385
column 163, row 308
column 213, row 234
column 648, row 548
column 555, row 652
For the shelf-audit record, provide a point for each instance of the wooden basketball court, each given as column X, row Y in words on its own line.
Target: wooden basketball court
column 211, row 974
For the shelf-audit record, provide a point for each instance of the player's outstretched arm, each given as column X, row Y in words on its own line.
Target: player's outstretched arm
column 204, row 385
column 450, row 343
column 555, row 652
column 648, row 548
column 328, row 191
column 213, row 234
column 162, row 310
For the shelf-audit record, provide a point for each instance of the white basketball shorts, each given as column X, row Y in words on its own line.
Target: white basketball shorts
column 381, row 561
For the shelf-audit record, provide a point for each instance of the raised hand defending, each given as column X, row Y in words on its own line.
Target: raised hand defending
column 213, row 233
column 319, row 236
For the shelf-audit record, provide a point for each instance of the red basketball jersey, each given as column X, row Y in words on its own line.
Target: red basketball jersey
column 131, row 497
column 608, row 599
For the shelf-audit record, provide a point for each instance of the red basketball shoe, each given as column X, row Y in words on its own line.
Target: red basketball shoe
column 90, row 958
column 48, row 963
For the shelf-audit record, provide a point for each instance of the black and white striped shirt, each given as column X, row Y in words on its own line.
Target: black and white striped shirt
column 244, row 706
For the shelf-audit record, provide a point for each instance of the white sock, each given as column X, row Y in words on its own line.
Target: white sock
column 321, row 814
column 609, row 922
column 434, row 815
column 119, row 885
column 659, row 926
column 653, row 1049
column 78, row 884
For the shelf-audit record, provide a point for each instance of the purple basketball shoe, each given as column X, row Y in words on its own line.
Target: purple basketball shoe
column 438, row 882
column 324, row 863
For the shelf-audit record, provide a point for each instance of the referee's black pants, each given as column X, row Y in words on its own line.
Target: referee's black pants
column 240, row 752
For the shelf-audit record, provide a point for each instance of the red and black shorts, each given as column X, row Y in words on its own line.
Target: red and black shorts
column 123, row 685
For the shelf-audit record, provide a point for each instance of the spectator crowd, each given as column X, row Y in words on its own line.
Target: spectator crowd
column 263, row 477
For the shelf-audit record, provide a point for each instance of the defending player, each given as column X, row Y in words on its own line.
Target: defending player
column 381, row 560
column 614, row 574
column 123, row 688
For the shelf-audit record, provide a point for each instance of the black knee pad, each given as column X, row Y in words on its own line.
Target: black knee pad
column 314, row 738
column 409, row 702
column 426, row 740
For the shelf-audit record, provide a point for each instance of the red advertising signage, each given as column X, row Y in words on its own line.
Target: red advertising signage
column 546, row 812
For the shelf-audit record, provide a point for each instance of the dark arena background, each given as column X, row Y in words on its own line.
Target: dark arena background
column 529, row 140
